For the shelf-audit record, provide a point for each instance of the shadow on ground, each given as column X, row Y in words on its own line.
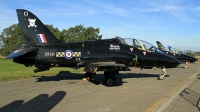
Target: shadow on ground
column 41, row 103
column 98, row 79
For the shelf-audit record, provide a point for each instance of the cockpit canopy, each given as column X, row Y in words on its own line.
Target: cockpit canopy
column 189, row 51
column 140, row 44
column 175, row 51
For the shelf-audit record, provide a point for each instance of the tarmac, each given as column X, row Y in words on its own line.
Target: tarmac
column 139, row 91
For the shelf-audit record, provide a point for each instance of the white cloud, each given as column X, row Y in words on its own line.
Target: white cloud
column 157, row 8
column 116, row 11
column 183, row 13
column 183, row 17
column 109, row 7
column 196, row 8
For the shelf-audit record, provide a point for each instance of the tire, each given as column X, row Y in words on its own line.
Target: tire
column 109, row 82
column 160, row 77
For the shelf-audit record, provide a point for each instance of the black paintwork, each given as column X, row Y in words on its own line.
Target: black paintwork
column 180, row 55
column 44, row 54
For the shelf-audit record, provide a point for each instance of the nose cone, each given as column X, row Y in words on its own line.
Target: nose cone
column 173, row 62
column 176, row 62
column 193, row 60
column 190, row 58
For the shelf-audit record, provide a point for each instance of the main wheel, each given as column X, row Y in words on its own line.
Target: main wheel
column 160, row 77
column 109, row 82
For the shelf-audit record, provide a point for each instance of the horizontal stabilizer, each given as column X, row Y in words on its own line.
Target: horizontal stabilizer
column 20, row 52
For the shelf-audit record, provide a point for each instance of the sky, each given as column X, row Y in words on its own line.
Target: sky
column 174, row 23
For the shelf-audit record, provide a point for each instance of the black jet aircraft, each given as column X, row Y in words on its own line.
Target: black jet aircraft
column 181, row 56
column 43, row 50
column 190, row 53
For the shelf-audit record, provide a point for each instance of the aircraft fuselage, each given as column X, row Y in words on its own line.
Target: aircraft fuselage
column 78, row 54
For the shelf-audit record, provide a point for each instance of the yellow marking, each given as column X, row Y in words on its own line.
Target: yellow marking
column 141, row 45
column 95, row 70
column 167, row 95
column 76, row 54
column 155, row 68
column 62, row 54
column 84, row 79
column 141, row 49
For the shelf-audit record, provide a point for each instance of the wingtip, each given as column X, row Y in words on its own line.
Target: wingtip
column 14, row 54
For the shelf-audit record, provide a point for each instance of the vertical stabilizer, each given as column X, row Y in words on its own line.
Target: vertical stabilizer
column 33, row 30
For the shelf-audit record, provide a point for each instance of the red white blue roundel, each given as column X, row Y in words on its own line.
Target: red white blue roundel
column 68, row 54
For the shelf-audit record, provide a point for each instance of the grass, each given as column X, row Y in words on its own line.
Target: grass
column 12, row 71
column 2, row 56
column 197, row 57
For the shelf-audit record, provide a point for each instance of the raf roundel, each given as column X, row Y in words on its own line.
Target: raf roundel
column 68, row 54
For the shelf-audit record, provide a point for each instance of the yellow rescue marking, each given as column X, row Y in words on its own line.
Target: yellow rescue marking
column 155, row 68
column 95, row 70
column 84, row 79
column 167, row 95
column 142, row 49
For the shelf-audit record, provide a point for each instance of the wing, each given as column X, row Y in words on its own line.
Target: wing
column 105, row 66
column 20, row 52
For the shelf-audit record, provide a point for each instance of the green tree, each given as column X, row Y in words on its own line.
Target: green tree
column 92, row 33
column 80, row 33
column 56, row 32
column 11, row 37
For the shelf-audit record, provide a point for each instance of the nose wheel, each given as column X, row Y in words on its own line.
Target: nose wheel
column 110, row 77
column 186, row 65
column 161, row 77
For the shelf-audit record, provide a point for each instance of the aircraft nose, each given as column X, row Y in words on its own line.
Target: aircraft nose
column 174, row 61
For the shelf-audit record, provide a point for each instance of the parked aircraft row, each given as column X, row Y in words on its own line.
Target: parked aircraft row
column 43, row 50
column 180, row 55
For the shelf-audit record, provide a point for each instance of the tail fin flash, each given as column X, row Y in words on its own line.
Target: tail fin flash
column 33, row 30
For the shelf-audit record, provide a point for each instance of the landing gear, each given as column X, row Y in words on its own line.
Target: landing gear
column 89, row 76
column 186, row 65
column 109, row 81
column 111, row 77
column 161, row 77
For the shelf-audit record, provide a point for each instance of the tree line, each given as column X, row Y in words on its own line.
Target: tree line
column 11, row 36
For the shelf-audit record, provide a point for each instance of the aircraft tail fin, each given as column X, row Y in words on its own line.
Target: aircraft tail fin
column 33, row 30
